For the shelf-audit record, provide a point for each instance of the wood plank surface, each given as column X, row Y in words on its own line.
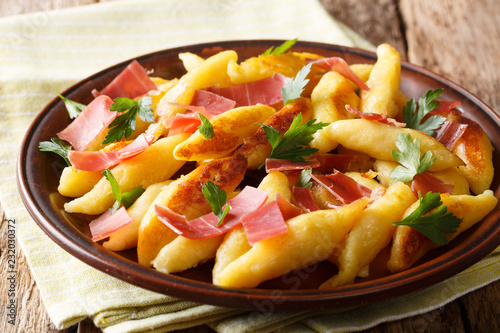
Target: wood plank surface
column 455, row 38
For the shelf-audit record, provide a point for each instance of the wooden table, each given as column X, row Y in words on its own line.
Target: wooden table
column 456, row 38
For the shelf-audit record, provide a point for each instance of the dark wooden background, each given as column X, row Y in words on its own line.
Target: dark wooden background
column 459, row 39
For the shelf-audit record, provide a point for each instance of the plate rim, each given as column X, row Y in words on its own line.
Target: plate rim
column 341, row 297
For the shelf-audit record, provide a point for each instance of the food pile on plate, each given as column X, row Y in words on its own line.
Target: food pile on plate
column 273, row 164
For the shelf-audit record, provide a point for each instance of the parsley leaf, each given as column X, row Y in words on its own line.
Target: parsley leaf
column 73, row 108
column 206, row 129
column 57, row 146
column 434, row 224
column 126, row 198
column 293, row 146
column 294, row 88
column 409, row 157
column 304, row 179
column 413, row 116
column 124, row 124
column 216, row 198
column 280, row 49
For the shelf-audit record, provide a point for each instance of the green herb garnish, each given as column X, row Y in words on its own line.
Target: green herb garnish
column 74, row 108
column 216, row 198
column 206, row 129
column 294, row 88
column 126, row 198
column 434, row 224
column 280, row 49
column 123, row 125
column 413, row 117
column 409, row 157
column 57, row 146
column 293, row 146
column 304, row 179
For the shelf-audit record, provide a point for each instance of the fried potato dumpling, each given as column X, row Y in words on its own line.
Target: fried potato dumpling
column 362, row 71
column 450, row 175
column 145, row 169
column 184, row 197
column 75, row 183
column 235, row 242
column 257, row 148
column 126, row 238
column 190, row 60
column 455, row 177
column 183, row 253
column 378, row 140
column 383, row 169
column 310, row 239
column 475, row 149
column 162, row 89
column 230, row 128
column 409, row 245
column 261, row 67
column 371, row 234
column 329, row 98
column 384, row 82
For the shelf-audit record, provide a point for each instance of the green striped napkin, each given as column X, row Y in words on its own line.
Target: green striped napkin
column 48, row 51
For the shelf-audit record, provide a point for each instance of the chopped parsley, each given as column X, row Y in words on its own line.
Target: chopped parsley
column 432, row 219
column 216, row 198
column 126, row 198
column 280, row 49
column 413, row 116
column 409, row 158
column 123, row 125
column 57, row 146
column 304, row 179
column 294, row 145
column 74, row 108
column 206, row 129
column 294, row 88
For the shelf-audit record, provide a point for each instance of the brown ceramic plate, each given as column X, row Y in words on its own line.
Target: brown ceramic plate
column 38, row 175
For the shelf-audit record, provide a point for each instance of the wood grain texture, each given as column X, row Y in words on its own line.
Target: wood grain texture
column 377, row 21
column 455, row 38
column 458, row 39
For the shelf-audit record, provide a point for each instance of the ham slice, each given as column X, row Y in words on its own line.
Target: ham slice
column 182, row 123
column 449, row 133
column 132, row 82
column 187, row 122
column 340, row 66
column 212, row 103
column 247, row 201
column 288, row 210
column 266, row 91
column 343, row 187
column 94, row 119
column 276, row 164
column 193, row 108
column 444, row 107
column 374, row 117
column 304, row 199
column 265, row 222
column 108, row 223
column 429, row 183
column 200, row 228
column 331, row 162
column 101, row 160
